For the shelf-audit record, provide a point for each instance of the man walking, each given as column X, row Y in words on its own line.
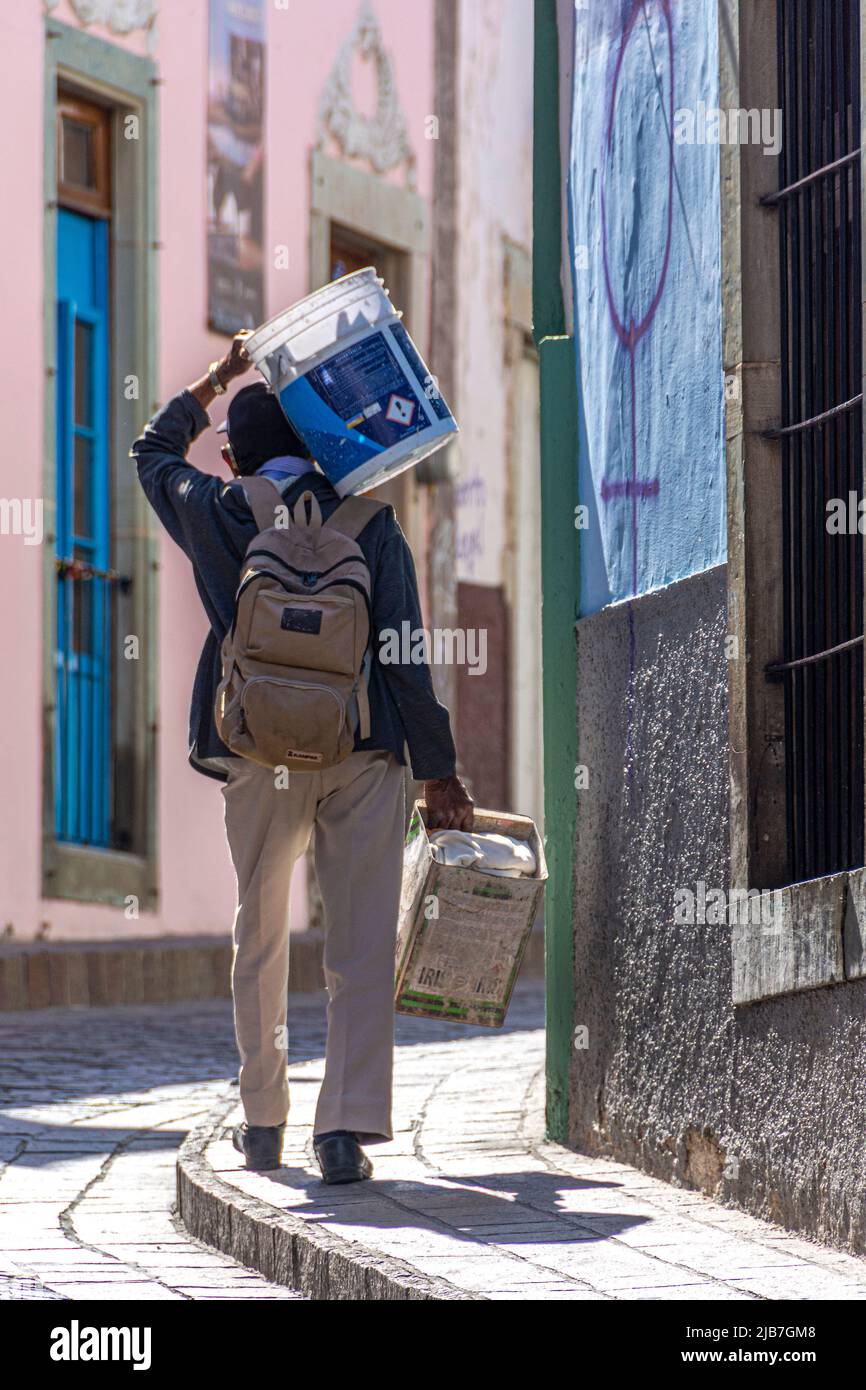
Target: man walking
column 356, row 806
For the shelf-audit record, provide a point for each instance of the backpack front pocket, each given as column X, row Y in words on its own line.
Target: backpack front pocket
column 308, row 633
column 294, row 724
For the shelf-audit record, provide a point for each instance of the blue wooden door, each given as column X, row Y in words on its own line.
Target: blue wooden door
column 82, row 790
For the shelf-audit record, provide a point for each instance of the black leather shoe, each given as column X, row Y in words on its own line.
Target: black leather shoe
column 261, row 1145
column 341, row 1157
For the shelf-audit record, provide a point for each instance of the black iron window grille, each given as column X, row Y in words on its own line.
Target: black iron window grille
column 821, row 432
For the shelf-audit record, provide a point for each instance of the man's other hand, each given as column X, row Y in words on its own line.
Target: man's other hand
column 449, row 805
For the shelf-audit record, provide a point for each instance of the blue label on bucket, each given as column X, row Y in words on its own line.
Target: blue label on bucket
column 356, row 405
column 428, row 381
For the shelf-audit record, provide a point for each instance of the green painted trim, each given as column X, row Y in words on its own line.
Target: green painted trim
column 560, row 572
column 77, row 54
column 548, row 313
column 129, row 84
column 560, row 583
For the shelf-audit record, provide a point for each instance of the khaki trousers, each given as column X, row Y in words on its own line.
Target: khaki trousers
column 357, row 809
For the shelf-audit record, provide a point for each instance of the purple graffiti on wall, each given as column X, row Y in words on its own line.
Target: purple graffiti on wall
column 630, row 325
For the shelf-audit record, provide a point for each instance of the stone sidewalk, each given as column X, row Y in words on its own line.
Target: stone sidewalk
column 469, row 1201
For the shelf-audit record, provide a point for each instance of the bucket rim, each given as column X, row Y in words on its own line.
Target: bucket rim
column 368, row 278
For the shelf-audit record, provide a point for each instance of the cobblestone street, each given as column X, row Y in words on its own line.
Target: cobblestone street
column 95, row 1104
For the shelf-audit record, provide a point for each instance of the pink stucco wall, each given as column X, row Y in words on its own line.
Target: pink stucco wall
column 196, row 884
column 22, row 382
column 495, row 181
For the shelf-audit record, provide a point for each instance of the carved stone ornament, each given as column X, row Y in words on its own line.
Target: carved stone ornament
column 120, row 16
column 382, row 139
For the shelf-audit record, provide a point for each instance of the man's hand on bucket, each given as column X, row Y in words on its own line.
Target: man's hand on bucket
column 449, row 805
column 232, row 364
column 236, row 360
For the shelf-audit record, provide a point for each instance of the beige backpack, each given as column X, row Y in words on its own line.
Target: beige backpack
column 293, row 685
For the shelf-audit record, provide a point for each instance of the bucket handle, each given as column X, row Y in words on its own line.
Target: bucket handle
column 299, row 514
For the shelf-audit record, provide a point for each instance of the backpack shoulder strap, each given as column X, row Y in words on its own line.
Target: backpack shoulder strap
column 353, row 514
column 263, row 496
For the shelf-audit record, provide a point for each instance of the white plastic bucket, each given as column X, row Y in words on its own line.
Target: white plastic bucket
column 352, row 383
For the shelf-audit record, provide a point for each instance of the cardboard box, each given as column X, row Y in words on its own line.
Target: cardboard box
column 462, row 933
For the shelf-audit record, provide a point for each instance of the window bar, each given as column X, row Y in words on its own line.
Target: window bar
column 787, row 212
column 818, row 672
column 88, row 596
column 855, row 454
column 793, row 340
column 837, row 674
column 806, row 346
column 772, row 200
column 846, row 569
column 826, row 417
column 782, row 666
column 835, row 773
column 793, row 343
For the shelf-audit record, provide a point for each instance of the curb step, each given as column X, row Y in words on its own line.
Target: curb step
column 285, row 1248
column 152, row 970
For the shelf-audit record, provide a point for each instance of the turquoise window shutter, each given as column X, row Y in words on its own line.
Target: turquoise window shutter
column 82, row 792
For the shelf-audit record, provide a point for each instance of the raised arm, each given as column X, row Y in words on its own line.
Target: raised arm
column 180, row 494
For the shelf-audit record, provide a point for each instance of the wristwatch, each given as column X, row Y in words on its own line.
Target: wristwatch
column 214, row 379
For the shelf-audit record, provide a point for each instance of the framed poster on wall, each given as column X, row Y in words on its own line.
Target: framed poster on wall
column 235, row 164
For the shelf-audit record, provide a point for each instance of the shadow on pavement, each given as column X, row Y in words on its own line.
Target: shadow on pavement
column 518, row 1208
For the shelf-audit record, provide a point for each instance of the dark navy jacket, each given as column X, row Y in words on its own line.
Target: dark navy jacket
column 212, row 523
